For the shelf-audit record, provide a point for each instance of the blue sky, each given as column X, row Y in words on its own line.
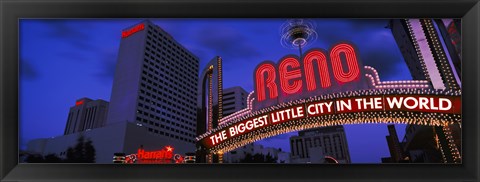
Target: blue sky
column 64, row 60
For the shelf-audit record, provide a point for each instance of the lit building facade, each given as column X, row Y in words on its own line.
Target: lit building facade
column 313, row 145
column 86, row 114
column 451, row 37
column 209, row 105
column 431, row 52
column 234, row 99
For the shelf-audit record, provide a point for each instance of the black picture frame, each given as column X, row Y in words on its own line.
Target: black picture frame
column 11, row 11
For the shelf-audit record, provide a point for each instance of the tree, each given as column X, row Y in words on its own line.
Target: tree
column 35, row 158
column 70, row 155
column 52, row 158
column 258, row 158
column 270, row 159
column 248, row 158
column 89, row 152
column 82, row 152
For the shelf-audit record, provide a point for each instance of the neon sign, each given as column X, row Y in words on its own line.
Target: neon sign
column 133, row 30
column 166, row 153
column 340, row 108
column 293, row 76
column 163, row 156
column 326, row 89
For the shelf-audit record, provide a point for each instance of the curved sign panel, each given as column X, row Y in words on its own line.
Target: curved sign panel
column 405, row 106
column 325, row 89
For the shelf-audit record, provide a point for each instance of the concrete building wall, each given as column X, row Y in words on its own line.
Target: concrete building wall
column 155, row 85
column 234, row 99
column 36, row 146
column 332, row 140
column 283, row 157
column 126, row 82
column 318, row 156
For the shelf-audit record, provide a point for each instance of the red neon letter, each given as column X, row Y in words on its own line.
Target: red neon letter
column 352, row 64
column 141, row 153
column 286, row 76
column 322, row 70
column 270, row 82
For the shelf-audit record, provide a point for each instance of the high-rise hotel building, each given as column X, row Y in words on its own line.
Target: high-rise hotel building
column 152, row 104
column 86, row 114
column 155, row 84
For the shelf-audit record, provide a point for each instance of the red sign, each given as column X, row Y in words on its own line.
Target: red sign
column 155, row 155
column 366, row 103
column 133, row 30
column 320, row 108
column 290, row 76
column 427, row 103
column 377, row 104
column 255, row 123
column 80, row 102
column 164, row 156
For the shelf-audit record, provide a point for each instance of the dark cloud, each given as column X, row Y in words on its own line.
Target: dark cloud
column 73, row 55
column 77, row 34
column 333, row 31
column 201, row 54
column 342, row 31
column 248, row 87
column 402, row 73
column 28, row 71
column 385, row 57
column 382, row 60
column 227, row 41
column 107, row 67
column 376, row 45
column 368, row 24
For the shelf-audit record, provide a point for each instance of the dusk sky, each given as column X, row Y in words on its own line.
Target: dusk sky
column 64, row 60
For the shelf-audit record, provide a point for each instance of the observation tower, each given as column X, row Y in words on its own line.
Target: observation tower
column 297, row 33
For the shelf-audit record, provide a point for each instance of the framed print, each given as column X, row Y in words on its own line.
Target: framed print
column 227, row 90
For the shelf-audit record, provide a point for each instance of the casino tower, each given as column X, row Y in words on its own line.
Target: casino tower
column 155, row 85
